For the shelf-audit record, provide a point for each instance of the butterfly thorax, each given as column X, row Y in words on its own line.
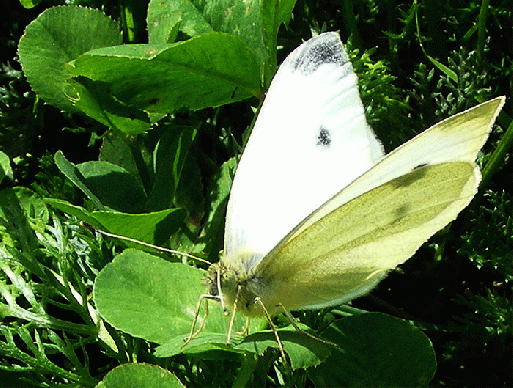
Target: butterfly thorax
column 232, row 279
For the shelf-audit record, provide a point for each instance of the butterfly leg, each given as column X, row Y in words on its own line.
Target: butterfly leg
column 246, row 328
column 273, row 328
column 232, row 318
column 293, row 322
column 195, row 320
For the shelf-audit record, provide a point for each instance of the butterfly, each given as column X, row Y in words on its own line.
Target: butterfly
column 317, row 215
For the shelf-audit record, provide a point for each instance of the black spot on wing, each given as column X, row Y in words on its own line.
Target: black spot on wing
column 324, row 138
column 325, row 48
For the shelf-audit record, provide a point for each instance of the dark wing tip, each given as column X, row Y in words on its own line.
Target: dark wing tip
column 325, row 48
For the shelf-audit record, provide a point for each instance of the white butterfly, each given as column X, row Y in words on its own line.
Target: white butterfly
column 317, row 216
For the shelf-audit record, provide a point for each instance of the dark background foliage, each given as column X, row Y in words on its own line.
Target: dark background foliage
column 402, row 52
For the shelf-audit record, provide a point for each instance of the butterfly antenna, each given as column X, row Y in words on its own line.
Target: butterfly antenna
column 172, row 251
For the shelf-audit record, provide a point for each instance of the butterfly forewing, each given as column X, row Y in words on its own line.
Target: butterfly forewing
column 310, row 140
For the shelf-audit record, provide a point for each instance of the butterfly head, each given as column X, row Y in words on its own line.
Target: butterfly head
column 234, row 283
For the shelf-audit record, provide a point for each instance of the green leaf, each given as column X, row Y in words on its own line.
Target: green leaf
column 154, row 228
column 29, row 3
column 57, row 36
column 74, row 175
column 206, row 345
column 19, row 205
column 164, row 21
column 170, row 156
column 113, row 185
column 116, row 149
column 204, row 71
column 140, row 376
column 5, row 166
column 241, row 19
column 95, row 100
column 255, row 23
column 302, row 350
column 76, row 211
column 189, row 193
column 151, row 298
column 162, row 14
column 22, row 213
column 273, row 14
column 444, row 69
column 376, row 350
column 218, row 193
column 496, row 160
column 284, row 12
